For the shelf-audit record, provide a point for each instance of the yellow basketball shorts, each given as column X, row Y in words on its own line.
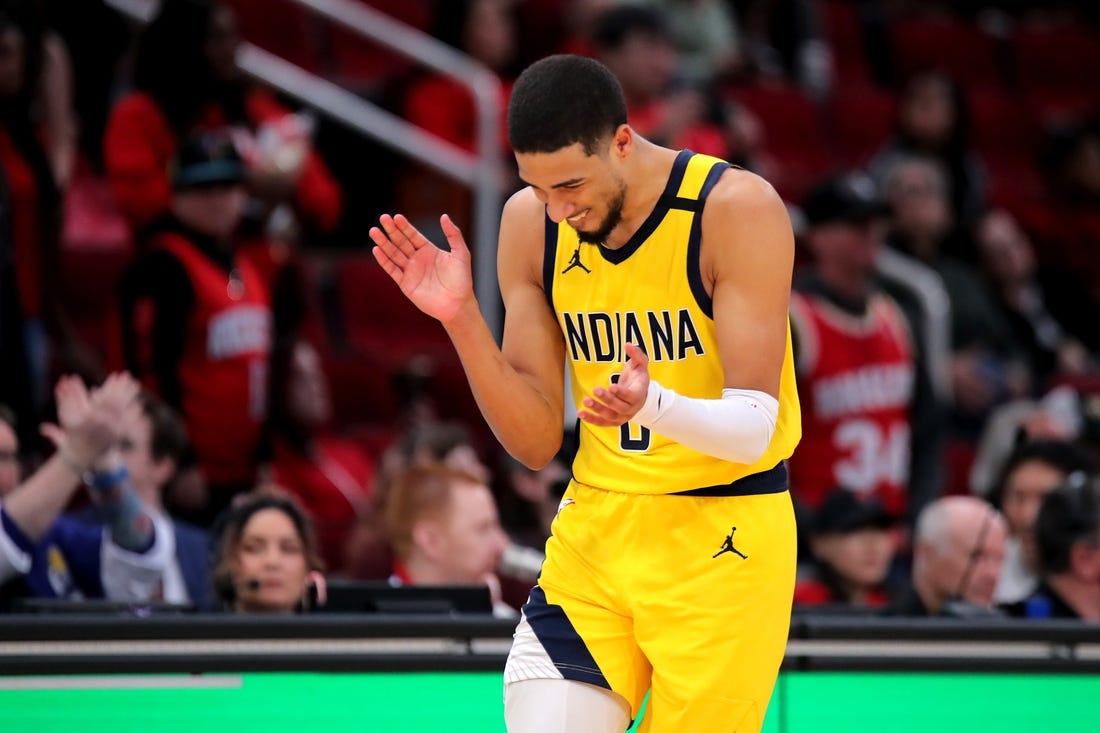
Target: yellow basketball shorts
column 689, row 596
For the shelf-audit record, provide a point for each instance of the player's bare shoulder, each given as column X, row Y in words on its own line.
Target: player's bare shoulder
column 743, row 195
column 743, row 216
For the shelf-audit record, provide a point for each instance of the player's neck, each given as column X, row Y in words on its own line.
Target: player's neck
column 646, row 176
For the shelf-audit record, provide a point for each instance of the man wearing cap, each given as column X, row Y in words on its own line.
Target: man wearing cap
column 197, row 317
column 852, row 546
column 854, row 355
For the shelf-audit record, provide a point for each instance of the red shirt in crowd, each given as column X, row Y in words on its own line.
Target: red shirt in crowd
column 139, row 146
column 855, row 382
column 332, row 482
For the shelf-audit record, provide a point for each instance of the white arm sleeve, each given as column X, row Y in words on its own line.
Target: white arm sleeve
column 738, row 427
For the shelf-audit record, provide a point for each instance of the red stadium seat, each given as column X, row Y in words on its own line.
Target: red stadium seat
column 283, row 28
column 863, row 117
column 959, row 49
column 845, row 37
column 1003, row 127
column 793, row 135
column 365, row 65
column 1056, row 69
column 388, row 331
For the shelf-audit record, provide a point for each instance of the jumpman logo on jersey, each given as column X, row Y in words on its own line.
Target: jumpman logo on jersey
column 727, row 546
column 575, row 261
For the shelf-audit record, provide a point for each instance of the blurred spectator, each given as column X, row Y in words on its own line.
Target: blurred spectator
column 197, row 319
column 958, row 553
column 785, row 39
column 1032, row 471
column 486, row 31
column 34, row 202
column 581, row 17
column 47, row 92
column 634, row 43
column 267, row 560
column 448, row 444
column 531, row 498
column 852, row 549
column 45, row 554
column 186, row 79
column 330, row 477
column 707, row 37
column 444, row 529
column 1067, row 532
column 14, row 366
column 854, row 355
column 1051, row 314
column 1059, row 415
column 933, row 121
column 1067, row 224
column 81, row 72
column 152, row 448
column 987, row 367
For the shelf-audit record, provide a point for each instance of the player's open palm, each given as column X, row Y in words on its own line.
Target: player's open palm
column 620, row 401
column 437, row 282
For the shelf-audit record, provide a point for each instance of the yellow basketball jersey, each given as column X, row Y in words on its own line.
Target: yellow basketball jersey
column 650, row 292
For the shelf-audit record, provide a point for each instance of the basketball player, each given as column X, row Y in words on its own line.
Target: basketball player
column 675, row 325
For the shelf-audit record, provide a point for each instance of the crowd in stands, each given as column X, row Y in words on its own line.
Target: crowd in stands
column 192, row 328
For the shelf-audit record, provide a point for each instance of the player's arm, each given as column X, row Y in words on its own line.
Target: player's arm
column 519, row 387
column 748, row 254
column 746, row 261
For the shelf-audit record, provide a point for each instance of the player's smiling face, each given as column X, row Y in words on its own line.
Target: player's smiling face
column 586, row 191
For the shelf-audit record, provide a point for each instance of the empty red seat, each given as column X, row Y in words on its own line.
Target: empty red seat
column 366, row 65
column 863, row 119
column 283, row 28
column 845, row 38
column 793, row 135
column 960, row 49
column 1003, row 127
column 1056, row 69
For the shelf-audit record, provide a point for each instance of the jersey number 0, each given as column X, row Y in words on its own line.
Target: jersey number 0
column 627, row 441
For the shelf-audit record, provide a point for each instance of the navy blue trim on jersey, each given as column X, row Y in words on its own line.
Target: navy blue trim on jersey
column 772, row 481
column 695, row 243
column 675, row 178
column 561, row 641
column 681, row 203
column 549, row 259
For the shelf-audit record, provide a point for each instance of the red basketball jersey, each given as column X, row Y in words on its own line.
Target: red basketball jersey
column 223, row 370
column 855, row 378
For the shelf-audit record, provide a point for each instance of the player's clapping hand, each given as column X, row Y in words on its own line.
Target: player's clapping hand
column 618, row 402
column 437, row 282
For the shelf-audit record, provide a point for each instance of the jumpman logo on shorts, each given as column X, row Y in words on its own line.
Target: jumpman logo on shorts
column 575, row 261
column 727, row 546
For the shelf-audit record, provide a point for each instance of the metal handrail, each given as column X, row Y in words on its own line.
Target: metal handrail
column 485, row 87
column 480, row 172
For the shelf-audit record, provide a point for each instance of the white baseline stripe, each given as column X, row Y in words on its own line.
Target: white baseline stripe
column 123, row 682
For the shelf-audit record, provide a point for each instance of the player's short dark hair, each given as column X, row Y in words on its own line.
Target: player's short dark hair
column 562, row 100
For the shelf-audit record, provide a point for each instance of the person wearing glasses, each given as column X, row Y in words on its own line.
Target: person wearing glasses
column 958, row 552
